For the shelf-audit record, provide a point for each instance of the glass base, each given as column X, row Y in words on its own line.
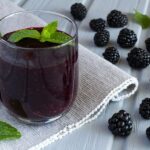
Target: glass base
column 37, row 122
column 41, row 122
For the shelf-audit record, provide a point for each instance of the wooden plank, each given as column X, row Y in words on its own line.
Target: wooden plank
column 95, row 135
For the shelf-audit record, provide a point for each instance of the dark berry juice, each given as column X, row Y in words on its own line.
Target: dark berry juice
column 38, row 81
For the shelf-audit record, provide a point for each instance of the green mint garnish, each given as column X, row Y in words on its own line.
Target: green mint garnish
column 25, row 33
column 48, row 30
column 58, row 37
column 7, row 132
column 142, row 19
column 48, row 34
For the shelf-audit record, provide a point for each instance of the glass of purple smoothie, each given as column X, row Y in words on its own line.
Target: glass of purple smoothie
column 38, row 81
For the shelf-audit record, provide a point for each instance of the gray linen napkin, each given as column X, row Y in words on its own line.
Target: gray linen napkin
column 99, row 83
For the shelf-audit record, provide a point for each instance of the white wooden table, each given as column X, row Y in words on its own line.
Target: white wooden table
column 96, row 136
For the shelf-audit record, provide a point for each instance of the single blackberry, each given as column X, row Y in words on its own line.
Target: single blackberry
column 120, row 124
column 127, row 38
column 111, row 54
column 78, row 11
column 148, row 133
column 116, row 19
column 138, row 58
column 144, row 109
column 147, row 43
column 97, row 24
column 101, row 38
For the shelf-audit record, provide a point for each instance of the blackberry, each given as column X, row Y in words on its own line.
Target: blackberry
column 101, row 38
column 120, row 124
column 144, row 109
column 78, row 11
column 147, row 42
column 148, row 133
column 127, row 38
column 97, row 24
column 116, row 19
column 138, row 58
column 111, row 54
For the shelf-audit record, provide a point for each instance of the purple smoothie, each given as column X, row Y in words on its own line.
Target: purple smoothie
column 38, row 84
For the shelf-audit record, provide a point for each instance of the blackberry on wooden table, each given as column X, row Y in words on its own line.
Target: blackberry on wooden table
column 127, row 38
column 144, row 109
column 147, row 43
column 117, row 19
column 148, row 133
column 78, row 11
column 111, row 54
column 138, row 58
column 120, row 124
column 101, row 38
column 97, row 24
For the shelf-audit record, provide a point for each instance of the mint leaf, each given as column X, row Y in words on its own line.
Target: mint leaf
column 25, row 33
column 142, row 19
column 59, row 38
column 49, row 34
column 8, row 132
column 48, row 30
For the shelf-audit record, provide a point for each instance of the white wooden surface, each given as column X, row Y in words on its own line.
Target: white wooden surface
column 96, row 136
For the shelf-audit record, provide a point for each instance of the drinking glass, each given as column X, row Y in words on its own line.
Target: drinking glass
column 38, row 85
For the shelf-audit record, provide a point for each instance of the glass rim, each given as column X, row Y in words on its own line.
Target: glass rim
column 42, row 11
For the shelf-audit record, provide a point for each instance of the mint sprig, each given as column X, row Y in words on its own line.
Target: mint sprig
column 142, row 19
column 25, row 33
column 48, row 30
column 49, row 34
column 58, row 37
column 8, row 132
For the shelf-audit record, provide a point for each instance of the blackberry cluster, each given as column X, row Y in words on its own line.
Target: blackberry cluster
column 78, row 11
column 101, row 38
column 97, row 24
column 148, row 133
column 127, row 38
column 120, row 124
column 111, row 54
column 147, row 42
column 138, row 58
column 116, row 19
column 144, row 109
